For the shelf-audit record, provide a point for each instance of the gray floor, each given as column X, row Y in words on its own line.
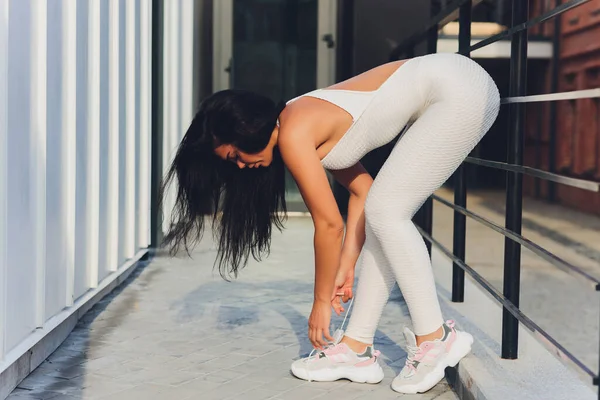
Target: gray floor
column 178, row 331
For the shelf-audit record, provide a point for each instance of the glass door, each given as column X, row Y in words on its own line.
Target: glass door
column 279, row 48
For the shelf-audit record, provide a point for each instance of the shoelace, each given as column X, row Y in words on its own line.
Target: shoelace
column 410, row 359
column 338, row 334
column 337, row 337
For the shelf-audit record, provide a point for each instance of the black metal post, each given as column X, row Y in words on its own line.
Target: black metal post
column 538, row 147
column 460, row 186
column 156, row 233
column 427, row 210
column 552, row 111
column 345, row 48
column 432, row 35
column 514, row 181
column 597, row 377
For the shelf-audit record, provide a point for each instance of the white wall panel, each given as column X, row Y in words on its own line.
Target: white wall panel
column 59, row 251
column 20, row 252
column 178, row 89
column 69, row 118
column 37, row 150
column 130, row 154
column 166, row 101
column 172, row 105
column 105, row 243
column 145, row 34
column 136, row 174
column 81, row 162
column 187, row 66
column 113, row 136
column 93, row 149
column 75, row 149
column 69, row 127
column 3, row 167
column 88, row 143
column 122, row 220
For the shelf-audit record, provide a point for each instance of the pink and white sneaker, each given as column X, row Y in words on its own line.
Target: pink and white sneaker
column 340, row 362
column 425, row 364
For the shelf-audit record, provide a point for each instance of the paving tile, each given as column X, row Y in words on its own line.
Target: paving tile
column 302, row 393
column 385, row 394
column 268, row 376
column 38, row 380
column 223, row 376
column 141, row 392
column 354, row 391
column 118, row 371
column 232, row 390
column 26, row 395
column 258, row 394
column 227, row 361
column 447, row 395
column 197, row 386
column 69, row 372
column 285, row 384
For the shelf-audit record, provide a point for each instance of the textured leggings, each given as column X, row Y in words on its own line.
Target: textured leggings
column 451, row 106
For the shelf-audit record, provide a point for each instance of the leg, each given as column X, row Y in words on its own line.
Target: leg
column 354, row 358
column 375, row 283
column 422, row 160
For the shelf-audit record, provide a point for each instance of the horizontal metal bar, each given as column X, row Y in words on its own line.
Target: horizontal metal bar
column 556, row 348
column 574, row 95
column 540, row 251
column 422, row 33
column 534, row 21
column 538, row 173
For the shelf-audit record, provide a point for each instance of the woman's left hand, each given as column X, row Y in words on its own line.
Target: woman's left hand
column 343, row 288
column 318, row 324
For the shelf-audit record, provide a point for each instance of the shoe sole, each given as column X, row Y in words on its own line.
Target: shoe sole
column 369, row 374
column 459, row 350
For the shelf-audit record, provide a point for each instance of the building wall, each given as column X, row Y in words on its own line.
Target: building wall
column 578, row 121
column 75, row 144
column 380, row 25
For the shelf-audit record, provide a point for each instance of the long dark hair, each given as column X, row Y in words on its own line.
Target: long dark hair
column 244, row 203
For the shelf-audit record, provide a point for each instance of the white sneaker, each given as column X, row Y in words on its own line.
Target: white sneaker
column 425, row 364
column 340, row 362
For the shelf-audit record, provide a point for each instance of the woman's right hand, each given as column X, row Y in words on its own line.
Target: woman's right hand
column 344, row 281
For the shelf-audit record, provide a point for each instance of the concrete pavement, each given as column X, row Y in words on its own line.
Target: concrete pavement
column 177, row 331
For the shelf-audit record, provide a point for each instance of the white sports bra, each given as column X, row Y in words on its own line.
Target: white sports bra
column 378, row 116
column 354, row 102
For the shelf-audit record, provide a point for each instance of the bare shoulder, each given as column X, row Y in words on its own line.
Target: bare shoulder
column 302, row 121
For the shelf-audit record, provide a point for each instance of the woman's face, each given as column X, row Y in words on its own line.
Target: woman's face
column 229, row 152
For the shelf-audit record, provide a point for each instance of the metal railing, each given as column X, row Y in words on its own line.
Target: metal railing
column 516, row 101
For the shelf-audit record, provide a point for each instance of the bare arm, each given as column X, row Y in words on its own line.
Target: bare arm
column 358, row 182
column 303, row 163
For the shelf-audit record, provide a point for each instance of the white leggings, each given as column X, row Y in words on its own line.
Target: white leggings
column 450, row 119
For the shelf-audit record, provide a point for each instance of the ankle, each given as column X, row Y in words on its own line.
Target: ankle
column 355, row 345
column 438, row 334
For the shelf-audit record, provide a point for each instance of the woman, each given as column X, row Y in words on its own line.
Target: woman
column 232, row 159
